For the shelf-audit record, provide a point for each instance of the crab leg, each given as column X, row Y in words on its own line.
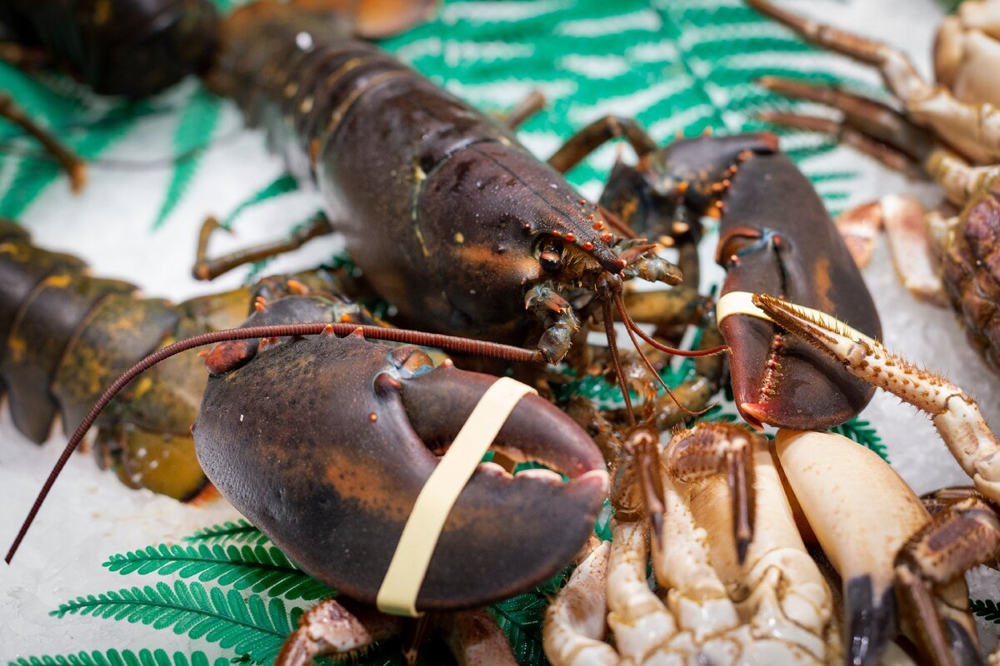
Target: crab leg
column 576, row 621
column 954, row 414
column 972, row 129
column 779, row 591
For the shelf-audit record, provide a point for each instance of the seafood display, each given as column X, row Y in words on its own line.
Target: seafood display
column 327, row 427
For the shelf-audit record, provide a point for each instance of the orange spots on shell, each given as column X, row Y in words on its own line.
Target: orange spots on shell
column 608, row 237
column 588, row 246
column 570, row 237
column 598, row 225
column 373, row 417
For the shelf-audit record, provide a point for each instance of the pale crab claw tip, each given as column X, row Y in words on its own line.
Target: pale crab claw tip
column 964, row 648
column 871, row 621
column 742, row 546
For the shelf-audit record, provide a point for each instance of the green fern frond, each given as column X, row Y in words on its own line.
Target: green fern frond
column 123, row 658
column 281, row 185
column 863, row 433
column 259, row 569
column 69, row 119
column 986, row 609
column 194, row 131
column 250, row 625
column 239, row 531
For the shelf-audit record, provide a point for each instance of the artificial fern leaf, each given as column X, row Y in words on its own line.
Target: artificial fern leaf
column 863, row 433
column 281, row 185
column 123, row 658
column 986, row 609
column 256, row 568
column 246, row 625
column 194, row 131
column 239, row 531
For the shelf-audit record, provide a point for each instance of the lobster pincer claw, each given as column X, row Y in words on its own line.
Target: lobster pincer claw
column 777, row 238
column 331, row 472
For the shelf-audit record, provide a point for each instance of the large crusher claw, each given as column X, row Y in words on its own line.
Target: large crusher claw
column 325, row 444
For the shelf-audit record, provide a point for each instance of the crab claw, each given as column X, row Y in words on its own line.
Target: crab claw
column 325, row 443
column 861, row 527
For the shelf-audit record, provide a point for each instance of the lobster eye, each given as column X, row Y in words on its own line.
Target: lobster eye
column 550, row 253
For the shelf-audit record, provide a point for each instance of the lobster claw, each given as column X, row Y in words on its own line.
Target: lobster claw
column 325, row 443
column 777, row 238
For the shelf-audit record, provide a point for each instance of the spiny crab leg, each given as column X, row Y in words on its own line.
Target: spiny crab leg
column 706, row 452
column 955, row 415
column 973, row 129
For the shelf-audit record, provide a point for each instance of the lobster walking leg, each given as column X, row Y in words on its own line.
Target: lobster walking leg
column 71, row 164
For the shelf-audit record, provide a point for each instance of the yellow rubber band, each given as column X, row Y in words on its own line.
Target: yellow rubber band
column 401, row 585
column 741, row 302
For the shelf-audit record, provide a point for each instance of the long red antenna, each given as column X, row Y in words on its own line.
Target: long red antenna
column 446, row 342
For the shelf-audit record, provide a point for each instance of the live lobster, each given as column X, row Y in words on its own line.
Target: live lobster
column 461, row 228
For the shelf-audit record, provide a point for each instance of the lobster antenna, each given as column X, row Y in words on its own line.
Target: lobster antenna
column 609, row 328
column 632, row 329
column 446, row 342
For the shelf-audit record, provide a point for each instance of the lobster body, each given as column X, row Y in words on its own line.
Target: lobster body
column 441, row 207
column 134, row 49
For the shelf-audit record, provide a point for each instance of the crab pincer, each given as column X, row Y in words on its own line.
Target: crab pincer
column 331, row 472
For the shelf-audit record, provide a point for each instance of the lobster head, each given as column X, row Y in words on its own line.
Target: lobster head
column 325, row 443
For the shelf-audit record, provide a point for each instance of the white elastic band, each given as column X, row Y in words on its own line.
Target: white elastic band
column 401, row 585
column 741, row 302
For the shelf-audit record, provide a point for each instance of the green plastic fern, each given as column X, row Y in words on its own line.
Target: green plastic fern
column 194, row 133
column 239, row 531
column 863, row 433
column 986, row 609
column 259, row 569
column 123, row 658
column 248, row 625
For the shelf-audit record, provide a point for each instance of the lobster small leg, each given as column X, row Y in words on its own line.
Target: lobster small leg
column 598, row 133
column 954, row 414
column 972, row 129
column 339, row 628
column 208, row 269
column 525, row 110
column 71, row 164
column 964, row 532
